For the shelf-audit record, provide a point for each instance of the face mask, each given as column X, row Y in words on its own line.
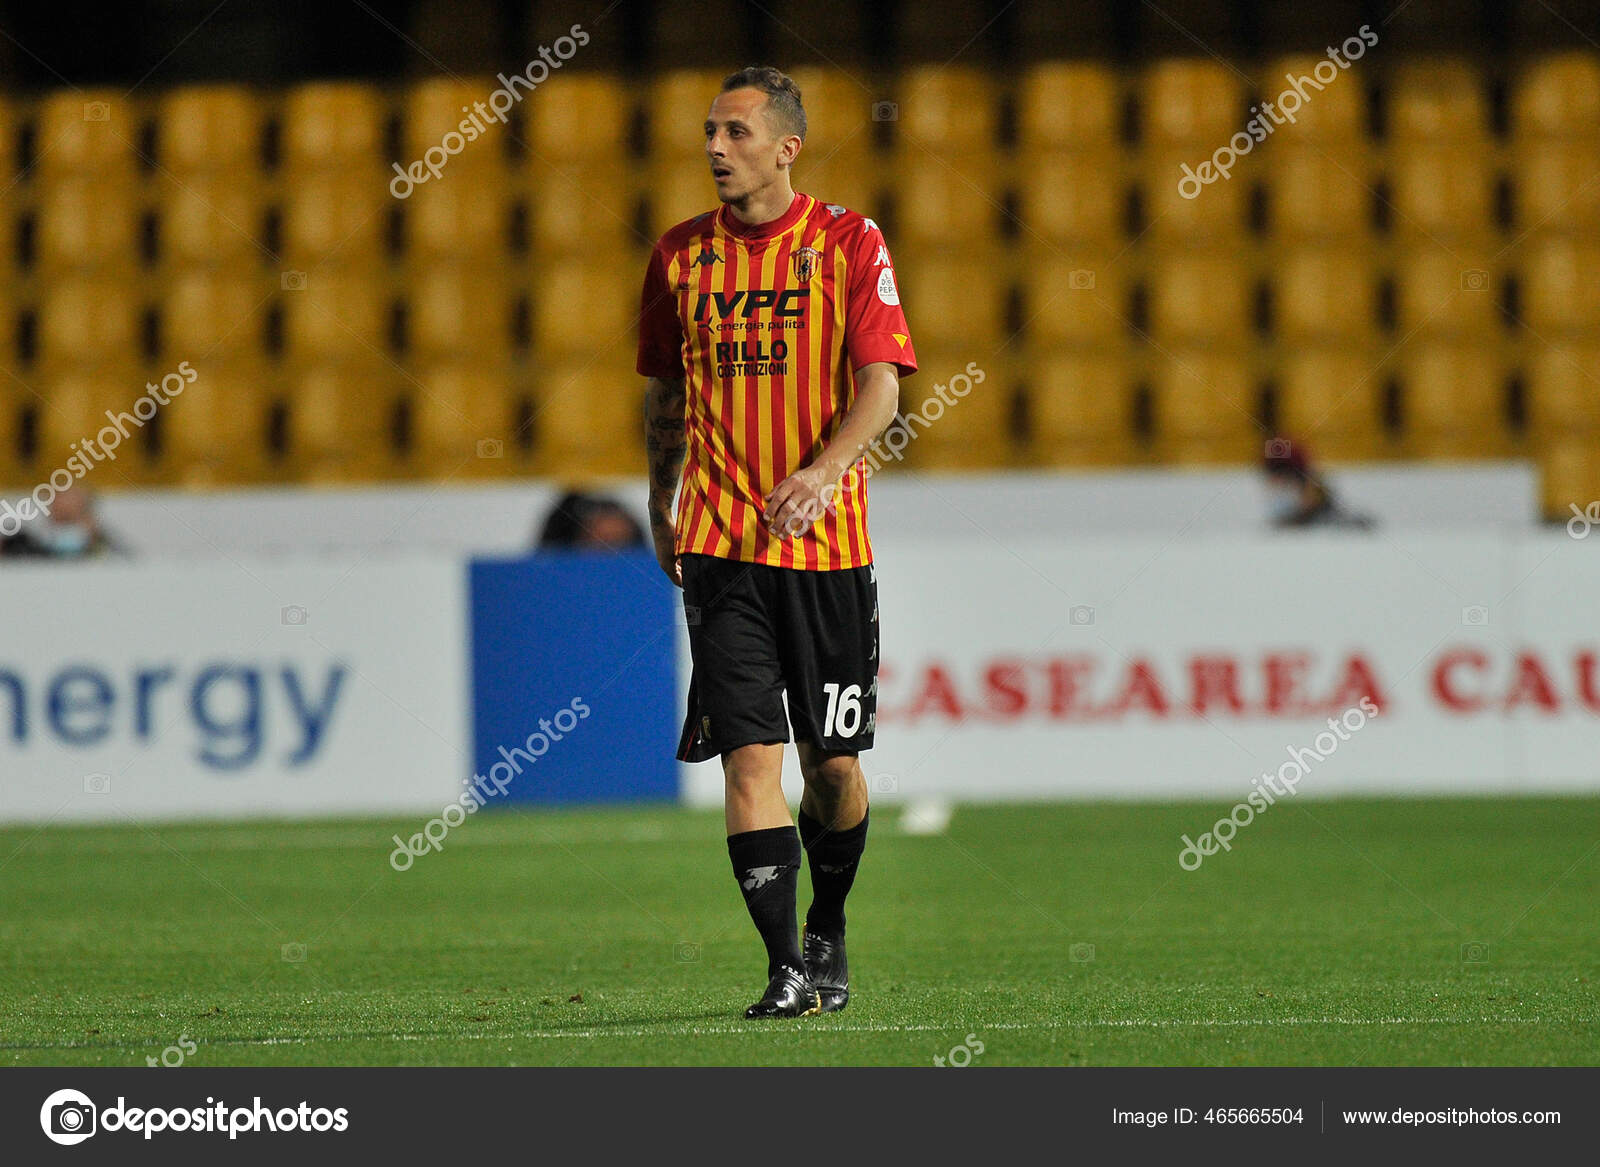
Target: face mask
column 1282, row 501
column 66, row 539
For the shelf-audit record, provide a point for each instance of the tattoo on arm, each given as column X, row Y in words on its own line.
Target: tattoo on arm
column 665, row 441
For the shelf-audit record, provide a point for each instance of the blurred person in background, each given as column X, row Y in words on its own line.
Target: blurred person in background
column 1297, row 495
column 582, row 521
column 71, row 530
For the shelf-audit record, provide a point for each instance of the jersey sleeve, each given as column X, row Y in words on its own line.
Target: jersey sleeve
column 875, row 326
column 660, row 332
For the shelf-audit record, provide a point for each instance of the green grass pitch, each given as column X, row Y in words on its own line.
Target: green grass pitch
column 1436, row 932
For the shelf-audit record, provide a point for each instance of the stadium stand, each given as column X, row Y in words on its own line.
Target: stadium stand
column 1400, row 233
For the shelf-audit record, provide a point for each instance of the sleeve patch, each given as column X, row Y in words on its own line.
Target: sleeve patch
column 887, row 292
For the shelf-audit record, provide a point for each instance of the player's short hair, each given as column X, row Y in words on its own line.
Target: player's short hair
column 783, row 95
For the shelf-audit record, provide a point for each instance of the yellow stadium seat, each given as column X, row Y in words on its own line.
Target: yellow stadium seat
column 331, row 218
column 585, row 207
column 946, row 109
column 1204, row 298
column 578, row 308
column 587, row 116
column 1434, row 101
column 947, row 201
column 432, row 114
column 334, row 125
column 1191, row 102
column 211, row 220
column 846, row 178
column 955, row 294
column 335, row 315
column 678, row 104
column 1335, row 113
column 1454, row 292
column 1204, row 405
column 1453, row 401
column 1561, row 286
column 1069, row 105
column 216, row 432
column 1077, row 197
column 14, row 473
column 74, row 406
column 955, row 432
column 1317, row 191
column 458, row 310
column 340, row 421
column 586, row 414
column 206, row 312
column 678, row 190
column 462, row 418
column 1569, row 471
column 85, row 132
column 85, row 224
column 1324, row 293
column 1077, row 299
column 1184, row 212
column 459, row 218
column 1441, row 191
column 1563, row 389
column 87, row 321
column 1080, row 409
column 209, row 127
column 1557, row 185
column 838, row 111
column 9, row 125
column 1332, row 398
column 1557, row 96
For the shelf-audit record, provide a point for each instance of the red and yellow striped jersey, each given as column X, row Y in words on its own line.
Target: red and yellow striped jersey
column 767, row 325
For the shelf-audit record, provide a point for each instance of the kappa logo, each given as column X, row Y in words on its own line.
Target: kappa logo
column 835, row 209
column 758, row 877
column 707, row 257
column 870, row 225
column 883, row 255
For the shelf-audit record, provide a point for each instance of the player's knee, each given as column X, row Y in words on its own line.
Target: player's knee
column 749, row 769
column 833, row 773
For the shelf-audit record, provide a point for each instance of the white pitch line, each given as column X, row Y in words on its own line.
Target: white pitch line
column 765, row 1028
column 1106, row 1023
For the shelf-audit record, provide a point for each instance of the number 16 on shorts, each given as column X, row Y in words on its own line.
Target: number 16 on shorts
column 844, row 710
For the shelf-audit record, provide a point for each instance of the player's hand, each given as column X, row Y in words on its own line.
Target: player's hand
column 662, row 535
column 797, row 502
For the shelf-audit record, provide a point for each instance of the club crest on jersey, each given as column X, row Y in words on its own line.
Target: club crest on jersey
column 804, row 263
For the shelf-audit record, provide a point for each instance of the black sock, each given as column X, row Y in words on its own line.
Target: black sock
column 834, row 857
column 767, row 866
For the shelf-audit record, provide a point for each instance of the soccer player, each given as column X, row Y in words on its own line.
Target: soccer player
column 773, row 340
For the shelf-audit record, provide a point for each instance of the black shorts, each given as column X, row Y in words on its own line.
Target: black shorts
column 757, row 633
